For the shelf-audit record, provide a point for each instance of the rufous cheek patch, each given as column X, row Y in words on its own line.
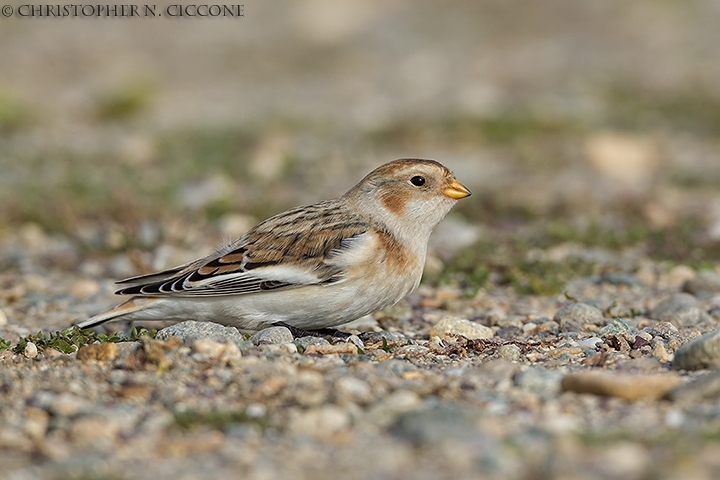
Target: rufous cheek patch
column 394, row 202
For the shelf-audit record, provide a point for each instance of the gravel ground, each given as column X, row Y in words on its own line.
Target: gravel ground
column 612, row 379
column 568, row 322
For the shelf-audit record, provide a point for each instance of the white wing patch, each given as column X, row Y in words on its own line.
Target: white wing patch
column 355, row 251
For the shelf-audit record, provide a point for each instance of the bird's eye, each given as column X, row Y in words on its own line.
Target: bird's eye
column 418, row 181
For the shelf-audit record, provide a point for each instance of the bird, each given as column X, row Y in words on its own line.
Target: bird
column 312, row 267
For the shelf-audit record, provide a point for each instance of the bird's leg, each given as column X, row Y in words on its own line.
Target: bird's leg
column 320, row 332
column 330, row 332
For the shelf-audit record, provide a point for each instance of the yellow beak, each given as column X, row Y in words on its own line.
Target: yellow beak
column 456, row 190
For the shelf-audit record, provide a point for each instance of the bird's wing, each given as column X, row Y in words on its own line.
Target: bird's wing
column 289, row 250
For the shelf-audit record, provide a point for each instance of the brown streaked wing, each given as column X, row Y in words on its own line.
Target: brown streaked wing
column 304, row 237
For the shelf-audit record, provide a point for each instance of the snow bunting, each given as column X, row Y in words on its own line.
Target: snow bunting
column 311, row 267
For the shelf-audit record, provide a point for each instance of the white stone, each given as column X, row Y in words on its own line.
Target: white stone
column 459, row 326
column 31, row 350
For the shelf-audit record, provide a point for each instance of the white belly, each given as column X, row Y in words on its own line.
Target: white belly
column 308, row 307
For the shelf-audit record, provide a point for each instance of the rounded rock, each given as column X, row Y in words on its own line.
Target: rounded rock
column 580, row 313
column 680, row 309
column 320, row 422
column 304, row 342
column 701, row 353
column 272, row 336
column 541, row 381
column 508, row 352
column 31, row 350
column 351, row 389
column 67, row 405
column 591, row 342
column 190, row 331
column 705, row 387
column 617, row 326
column 626, row 386
column 705, row 283
column 435, row 425
column 224, row 352
column 447, row 326
column 98, row 351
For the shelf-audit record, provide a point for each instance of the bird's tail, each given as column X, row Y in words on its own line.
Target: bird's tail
column 133, row 305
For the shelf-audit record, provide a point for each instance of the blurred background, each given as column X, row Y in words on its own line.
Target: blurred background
column 580, row 126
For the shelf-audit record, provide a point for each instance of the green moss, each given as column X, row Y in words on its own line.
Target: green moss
column 692, row 108
column 687, row 242
column 507, row 127
column 504, row 256
column 487, row 207
column 594, row 234
column 14, row 113
column 707, row 179
column 520, row 123
column 68, row 341
column 126, row 101
column 546, row 278
column 218, row 208
column 683, row 441
column 203, row 152
column 58, row 189
column 216, row 419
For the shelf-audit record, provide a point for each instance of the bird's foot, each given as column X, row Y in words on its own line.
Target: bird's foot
column 320, row 332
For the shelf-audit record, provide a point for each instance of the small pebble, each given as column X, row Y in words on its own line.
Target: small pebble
column 305, row 342
column 412, row 350
column 330, row 349
column 459, row 326
column 50, row 352
column 591, row 342
column 529, row 328
column 222, row 352
column 278, row 348
column 389, row 338
column 541, row 381
column 659, row 351
column 616, row 327
column 67, row 405
column 98, row 351
column 669, row 333
column 350, row 389
column 35, row 423
column 320, row 422
column 31, row 350
column 677, row 277
column 94, row 432
column 510, row 352
column 386, row 409
column 435, row 425
column 355, row 340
